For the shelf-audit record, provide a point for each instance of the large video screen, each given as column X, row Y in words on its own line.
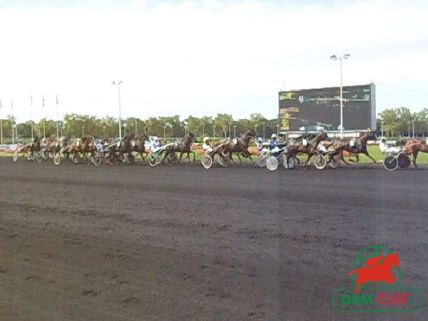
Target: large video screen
column 314, row 109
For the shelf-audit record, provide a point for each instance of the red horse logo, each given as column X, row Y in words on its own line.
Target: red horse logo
column 377, row 269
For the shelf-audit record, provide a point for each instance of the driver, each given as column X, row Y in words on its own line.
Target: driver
column 273, row 145
column 156, row 145
column 321, row 148
column 259, row 145
column 386, row 149
column 273, row 142
column 207, row 147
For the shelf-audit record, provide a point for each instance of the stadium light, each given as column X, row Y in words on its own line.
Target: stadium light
column 118, row 83
column 341, row 58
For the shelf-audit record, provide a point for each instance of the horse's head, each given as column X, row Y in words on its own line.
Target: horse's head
column 319, row 138
column 366, row 135
column 191, row 136
column 250, row 133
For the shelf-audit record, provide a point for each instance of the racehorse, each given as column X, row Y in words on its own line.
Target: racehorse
column 80, row 147
column 356, row 148
column 124, row 151
column 238, row 145
column 183, row 147
column 139, row 145
column 306, row 145
column 28, row 150
column 414, row 146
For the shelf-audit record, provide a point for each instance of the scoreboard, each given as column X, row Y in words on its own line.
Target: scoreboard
column 313, row 109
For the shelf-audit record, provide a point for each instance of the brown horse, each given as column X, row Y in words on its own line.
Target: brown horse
column 238, row 145
column 80, row 147
column 183, row 148
column 139, row 145
column 306, row 145
column 414, row 146
column 355, row 148
column 28, row 150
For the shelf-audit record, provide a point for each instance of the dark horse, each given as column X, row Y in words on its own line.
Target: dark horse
column 182, row 148
column 138, row 145
column 239, row 145
column 29, row 149
column 414, row 146
column 307, row 145
column 359, row 147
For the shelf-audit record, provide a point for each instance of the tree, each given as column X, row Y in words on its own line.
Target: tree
column 224, row 122
column 390, row 121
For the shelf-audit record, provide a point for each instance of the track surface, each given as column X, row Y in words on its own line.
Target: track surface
column 184, row 243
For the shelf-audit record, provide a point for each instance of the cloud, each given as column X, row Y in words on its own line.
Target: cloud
column 204, row 57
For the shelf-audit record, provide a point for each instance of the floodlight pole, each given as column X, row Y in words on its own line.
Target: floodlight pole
column 341, row 58
column 118, row 83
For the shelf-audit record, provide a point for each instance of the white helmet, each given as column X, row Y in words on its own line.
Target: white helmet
column 206, row 139
column 156, row 138
column 273, row 136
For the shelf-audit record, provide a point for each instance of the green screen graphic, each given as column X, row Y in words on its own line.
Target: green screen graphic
column 312, row 109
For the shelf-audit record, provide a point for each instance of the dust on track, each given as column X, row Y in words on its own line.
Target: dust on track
column 184, row 243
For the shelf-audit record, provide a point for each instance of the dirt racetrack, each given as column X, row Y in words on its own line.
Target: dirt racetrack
column 184, row 243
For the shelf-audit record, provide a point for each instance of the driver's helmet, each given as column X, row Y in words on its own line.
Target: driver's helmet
column 156, row 138
column 260, row 140
column 206, row 139
column 383, row 140
column 273, row 136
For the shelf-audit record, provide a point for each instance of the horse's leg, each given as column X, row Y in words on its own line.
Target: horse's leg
column 357, row 157
column 342, row 158
column 194, row 156
column 307, row 161
column 165, row 156
column 369, row 156
column 179, row 158
column 415, row 155
column 188, row 156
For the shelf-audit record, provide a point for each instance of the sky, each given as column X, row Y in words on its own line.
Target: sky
column 204, row 57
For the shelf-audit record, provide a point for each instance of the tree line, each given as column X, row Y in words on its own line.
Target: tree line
column 397, row 122
column 74, row 125
column 393, row 122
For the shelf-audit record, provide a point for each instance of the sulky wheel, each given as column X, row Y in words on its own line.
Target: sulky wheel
column 390, row 163
column 320, row 161
column 403, row 160
column 97, row 159
column 206, row 161
column 155, row 160
column 272, row 163
column 15, row 156
column 57, row 159
column 261, row 160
